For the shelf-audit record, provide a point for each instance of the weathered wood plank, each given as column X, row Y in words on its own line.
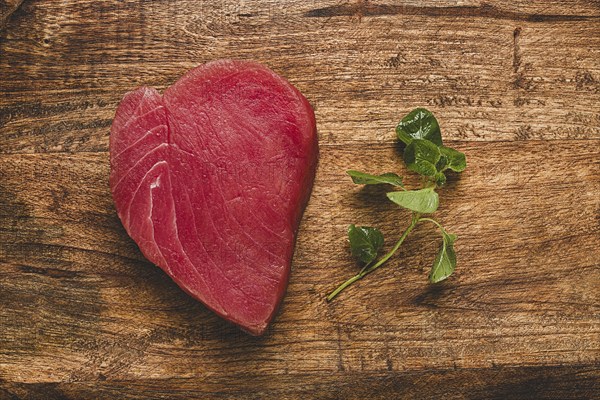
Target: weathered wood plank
column 487, row 78
column 7, row 7
column 561, row 383
column 80, row 303
column 514, row 84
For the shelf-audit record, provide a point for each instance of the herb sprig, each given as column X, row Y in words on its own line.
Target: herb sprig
column 426, row 155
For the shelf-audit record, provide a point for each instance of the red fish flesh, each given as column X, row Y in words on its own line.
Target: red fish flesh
column 211, row 178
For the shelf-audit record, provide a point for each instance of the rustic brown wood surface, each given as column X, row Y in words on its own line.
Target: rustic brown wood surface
column 7, row 7
column 516, row 86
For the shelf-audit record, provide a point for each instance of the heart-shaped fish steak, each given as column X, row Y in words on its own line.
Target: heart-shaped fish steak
column 211, row 179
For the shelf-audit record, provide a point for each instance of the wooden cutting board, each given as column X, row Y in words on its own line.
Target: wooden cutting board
column 515, row 85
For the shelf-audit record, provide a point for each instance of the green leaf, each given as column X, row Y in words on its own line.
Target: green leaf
column 423, row 201
column 367, row 179
column 365, row 242
column 419, row 124
column 442, row 162
column 445, row 262
column 456, row 161
column 421, row 156
column 440, row 178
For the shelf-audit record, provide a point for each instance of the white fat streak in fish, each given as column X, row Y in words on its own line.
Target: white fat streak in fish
column 156, row 183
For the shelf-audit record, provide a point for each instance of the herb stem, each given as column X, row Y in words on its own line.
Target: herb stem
column 433, row 221
column 365, row 271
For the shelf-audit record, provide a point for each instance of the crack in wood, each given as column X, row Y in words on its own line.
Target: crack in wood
column 516, row 50
column 366, row 9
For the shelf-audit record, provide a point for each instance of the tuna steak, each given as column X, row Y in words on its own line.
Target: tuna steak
column 211, row 179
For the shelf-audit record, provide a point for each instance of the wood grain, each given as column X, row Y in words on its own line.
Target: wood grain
column 515, row 86
column 7, row 7
column 494, row 383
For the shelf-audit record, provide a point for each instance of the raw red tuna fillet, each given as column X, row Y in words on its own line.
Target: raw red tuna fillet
column 211, row 179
